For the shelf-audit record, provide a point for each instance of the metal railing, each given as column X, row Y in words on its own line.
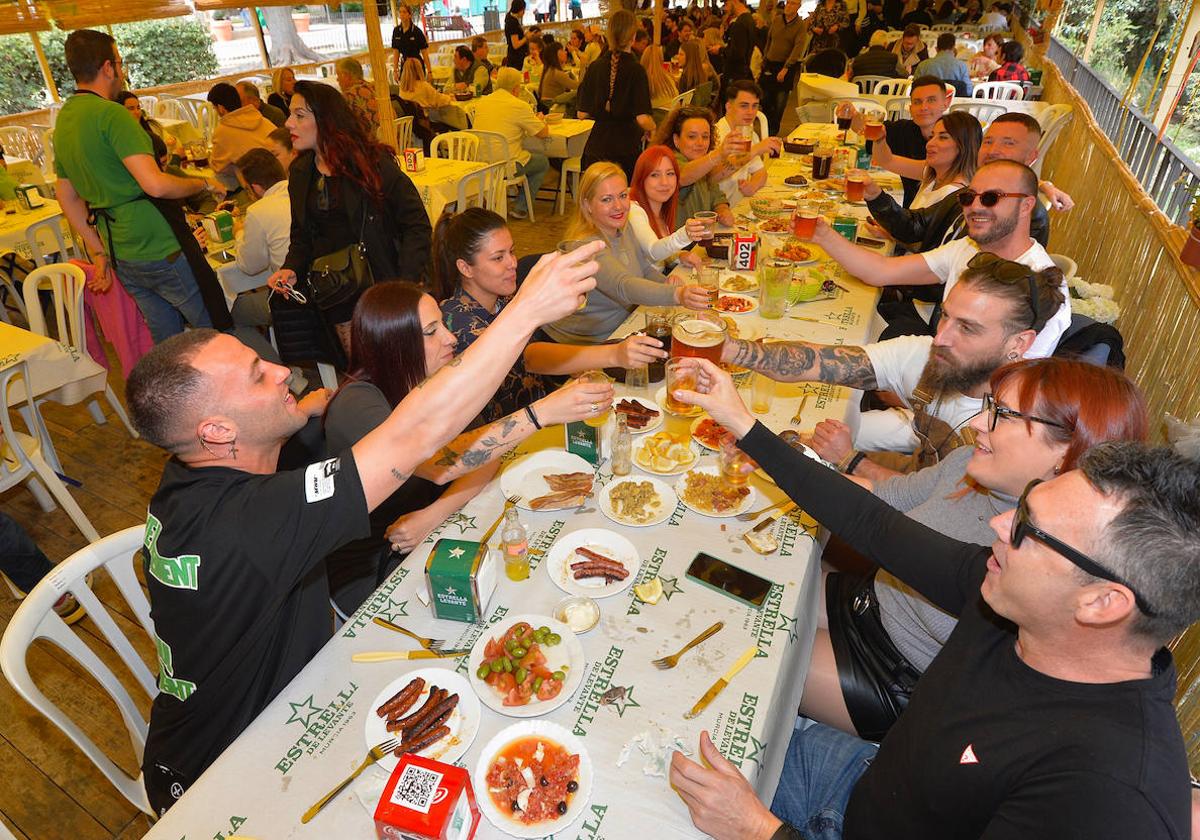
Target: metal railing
column 1165, row 172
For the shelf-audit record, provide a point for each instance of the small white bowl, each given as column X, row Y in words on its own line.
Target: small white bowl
column 579, row 613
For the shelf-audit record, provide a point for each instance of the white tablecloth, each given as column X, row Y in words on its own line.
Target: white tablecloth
column 438, row 182
column 312, row 735
column 13, row 226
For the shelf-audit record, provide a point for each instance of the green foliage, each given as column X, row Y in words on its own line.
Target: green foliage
column 21, row 85
column 161, row 52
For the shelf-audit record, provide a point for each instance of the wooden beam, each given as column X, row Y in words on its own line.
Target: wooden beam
column 258, row 34
column 658, row 15
column 45, row 65
column 1180, row 64
column 1091, row 36
column 379, row 73
column 1053, row 16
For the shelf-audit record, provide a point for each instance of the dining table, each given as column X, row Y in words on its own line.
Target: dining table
column 437, row 183
column 14, row 223
column 626, row 713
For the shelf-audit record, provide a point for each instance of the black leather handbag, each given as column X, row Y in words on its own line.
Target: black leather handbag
column 339, row 278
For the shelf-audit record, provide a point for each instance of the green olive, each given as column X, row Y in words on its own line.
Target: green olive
column 520, row 676
column 484, row 671
column 507, row 663
column 495, row 666
column 553, row 639
column 519, row 653
column 510, row 644
column 559, row 675
column 537, row 683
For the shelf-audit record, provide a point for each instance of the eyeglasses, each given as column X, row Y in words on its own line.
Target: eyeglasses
column 1009, row 272
column 995, row 411
column 988, row 198
column 1022, row 527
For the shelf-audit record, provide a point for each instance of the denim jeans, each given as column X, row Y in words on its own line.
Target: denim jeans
column 166, row 293
column 535, row 170
column 820, row 771
column 20, row 558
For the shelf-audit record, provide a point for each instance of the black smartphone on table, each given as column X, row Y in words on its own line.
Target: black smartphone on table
column 730, row 580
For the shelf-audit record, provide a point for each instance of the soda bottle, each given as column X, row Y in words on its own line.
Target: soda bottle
column 622, row 447
column 515, row 545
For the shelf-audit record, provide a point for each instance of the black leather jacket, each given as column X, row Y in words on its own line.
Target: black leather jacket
column 925, row 229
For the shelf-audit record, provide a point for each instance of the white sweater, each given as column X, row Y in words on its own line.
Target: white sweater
column 652, row 246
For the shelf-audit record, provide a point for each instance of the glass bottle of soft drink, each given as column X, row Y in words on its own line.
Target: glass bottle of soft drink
column 622, row 447
column 515, row 545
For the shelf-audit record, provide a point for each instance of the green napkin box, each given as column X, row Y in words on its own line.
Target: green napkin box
column 460, row 580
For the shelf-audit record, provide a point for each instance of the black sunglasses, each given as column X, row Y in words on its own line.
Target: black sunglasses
column 995, row 411
column 988, row 198
column 1010, row 272
column 1022, row 527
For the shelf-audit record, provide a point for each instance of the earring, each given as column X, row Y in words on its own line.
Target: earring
column 232, row 453
column 1058, row 469
column 1012, row 357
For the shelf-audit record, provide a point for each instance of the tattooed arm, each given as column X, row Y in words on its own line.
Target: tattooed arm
column 800, row 361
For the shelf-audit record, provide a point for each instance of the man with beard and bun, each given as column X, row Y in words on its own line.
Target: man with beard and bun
column 997, row 208
column 940, row 379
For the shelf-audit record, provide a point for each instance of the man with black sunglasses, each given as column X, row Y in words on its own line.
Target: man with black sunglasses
column 1048, row 714
column 998, row 208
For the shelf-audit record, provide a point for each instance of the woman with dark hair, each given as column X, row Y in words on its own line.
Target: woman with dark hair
column 1011, row 69
column 397, row 340
column 987, row 59
column 653, row 207
column 514, row 36
column 616, row 94
column 555, row 81
column 347, row 189
column 475, row 275
column 688, row 131
column 826, row 25
column 158, row 138
column 951, row 155
column 408, row 40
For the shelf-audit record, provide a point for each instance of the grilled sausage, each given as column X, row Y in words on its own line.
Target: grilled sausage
column 402, row 700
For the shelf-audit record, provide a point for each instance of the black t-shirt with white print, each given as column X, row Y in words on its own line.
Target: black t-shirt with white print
column 239, row 598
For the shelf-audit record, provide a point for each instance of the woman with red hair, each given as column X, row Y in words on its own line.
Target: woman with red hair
column 346, row 189
column 878, row 635
column 654, row 197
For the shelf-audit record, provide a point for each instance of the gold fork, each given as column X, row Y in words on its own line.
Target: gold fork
column 509, row 502
column 754, row 514
column 796, row 418
column 377, row 752
column 428, row 644
column 671, row 661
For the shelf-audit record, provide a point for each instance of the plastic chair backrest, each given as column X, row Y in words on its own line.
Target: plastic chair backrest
column 1052, row 126
column 893, row 87
column 862, row 103
column 35, row 619
column 985, row 112
column 48, row 155
column 168, row 108
column 15, row 465
column 999, row 90
column 202, row 115
column 682, row 99
column 484, row 188
column 866, row 84
column 45, row 238
column 493, row 148
column 898, row 108
column 66, row 283
column 147, row 101
column 19, row 141
column 455, row 145
column 761, row 126
column 404, row 131
column 1066, row 265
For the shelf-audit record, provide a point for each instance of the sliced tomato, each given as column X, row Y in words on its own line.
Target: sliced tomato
column 548, row 689
column 533, row 658
column 494, row 649
column 513, row 698
column 504, row 683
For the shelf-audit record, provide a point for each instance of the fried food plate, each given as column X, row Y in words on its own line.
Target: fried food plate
column 601, row 540
column 567, row 656
column 735, row 304
column 738, row 283
column 463, row 721
column 524, row 476
column 707, row 431
column 745, row 505
column 515, row 732
column 667, row 501
column 655, row 422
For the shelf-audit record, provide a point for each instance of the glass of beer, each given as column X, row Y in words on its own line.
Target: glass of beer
column 658, row 325
column 735, row 465
column 855, row 185
column 774, row 281
column 680, row 379
column 597, row 376
column 709, row 219
column 762, row 393
column 698, row 334
column 708, row 278
column 804, row 220
column 566, row 247
column 822, row 162
column 873, row 128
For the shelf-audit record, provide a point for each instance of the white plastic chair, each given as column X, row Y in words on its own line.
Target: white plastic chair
column 21, row 454
column 485, row 188
column 168, row 108
column 898, row 108
column 493, row 148
column 147, row 101
column 893, row 87
column 455, row 145
column 570, row 171
column 19, row 141
column 1053, row 121
column 202, row 115
column 942, row 27
column 404, row 131
column 999, row 90
column 66, row 284
column 1066, row 265
column 761, row 125
column 35, row 619
column 866, row 84
column 985, row 112
column 862, row 103
column 47, row 243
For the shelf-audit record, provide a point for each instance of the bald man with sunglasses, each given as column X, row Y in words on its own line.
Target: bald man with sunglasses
column 997, row 209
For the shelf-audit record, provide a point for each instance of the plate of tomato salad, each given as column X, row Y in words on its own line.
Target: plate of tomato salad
column 534, row 663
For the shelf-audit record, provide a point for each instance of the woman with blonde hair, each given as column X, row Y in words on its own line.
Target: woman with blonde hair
column 662, row 87
column 715, row 47
column 616, row 94
column 627, row 276
column 414, row 88
column 283, row 85
column 697, row 69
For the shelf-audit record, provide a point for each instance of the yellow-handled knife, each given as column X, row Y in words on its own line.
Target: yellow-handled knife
column 388, row 655
column 720, row 684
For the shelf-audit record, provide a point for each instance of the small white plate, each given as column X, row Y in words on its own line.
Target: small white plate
column 568, row 653
column 753, row 303
column 695, row 424
column 524, row 476
column 655, row 422
column 725, row 278
column 666, row 496
column 747, row 500
column 606, row 542
column 463, row 721
column 551, row 732
column 660, row 397
column 681, row 468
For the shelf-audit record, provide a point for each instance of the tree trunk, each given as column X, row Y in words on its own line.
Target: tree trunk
column 286, row 46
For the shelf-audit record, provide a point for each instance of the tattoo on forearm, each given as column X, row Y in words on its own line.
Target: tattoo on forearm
column 399, row 475
column 798, row 361
column 447, row 457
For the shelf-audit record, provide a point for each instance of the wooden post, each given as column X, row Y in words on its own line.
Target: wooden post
column 45, row 65
column 262, row 42
column 1091, row 36
column 658, row 14
column 379, row 73
column 1180, row 65
column 1053, row 15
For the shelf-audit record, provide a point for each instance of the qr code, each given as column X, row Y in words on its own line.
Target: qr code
column 417, row 788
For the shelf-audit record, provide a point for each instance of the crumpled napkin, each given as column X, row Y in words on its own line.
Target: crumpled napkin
column 655, row 747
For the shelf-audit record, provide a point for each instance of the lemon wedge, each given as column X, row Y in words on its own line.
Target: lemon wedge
column 650, row 591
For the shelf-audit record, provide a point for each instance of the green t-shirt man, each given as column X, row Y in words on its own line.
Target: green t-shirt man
column 92, row 136
column 701, row 196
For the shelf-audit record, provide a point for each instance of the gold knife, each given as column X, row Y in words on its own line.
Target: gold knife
column 720, row 684
column 388, row 655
